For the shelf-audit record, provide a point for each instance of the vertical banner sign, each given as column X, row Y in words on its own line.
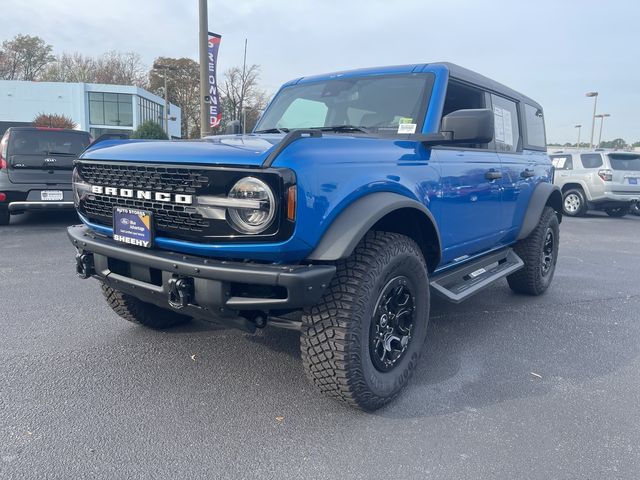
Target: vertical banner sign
column 215, row 114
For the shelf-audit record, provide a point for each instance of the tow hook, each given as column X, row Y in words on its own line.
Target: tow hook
column 84, row 265
column 180, row 292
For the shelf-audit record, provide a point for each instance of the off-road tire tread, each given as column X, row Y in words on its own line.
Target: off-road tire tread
column 527, row 280
column 329, row 340
column 136, row 311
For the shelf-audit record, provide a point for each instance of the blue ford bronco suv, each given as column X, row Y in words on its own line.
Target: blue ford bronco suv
column 357, row 195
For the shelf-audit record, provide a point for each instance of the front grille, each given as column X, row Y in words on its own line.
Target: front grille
column 167, row 217
column 143, row 177
column 171, row 219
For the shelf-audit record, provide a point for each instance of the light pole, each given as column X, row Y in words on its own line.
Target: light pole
column 165, row 68
column 601, row 117
column 579, row 127
column 203, row 42
column 593, row 120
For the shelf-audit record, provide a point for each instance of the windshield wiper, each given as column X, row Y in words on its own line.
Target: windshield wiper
column 344, row 128
column 59, row 153
column 273, row 130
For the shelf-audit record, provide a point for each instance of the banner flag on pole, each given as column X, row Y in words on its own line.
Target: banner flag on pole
column 215, row 113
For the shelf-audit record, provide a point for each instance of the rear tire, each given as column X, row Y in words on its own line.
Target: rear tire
column 5, row 216
column 574, row 203
column 539, row 251
column 362, row 342
column 635, row 209
column 136, row 311
column 617, row 212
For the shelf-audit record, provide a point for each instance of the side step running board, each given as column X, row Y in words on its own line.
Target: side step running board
column 468, row 279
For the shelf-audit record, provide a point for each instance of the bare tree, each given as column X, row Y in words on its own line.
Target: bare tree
column 71, row 67
column 119, row 68
column 240, row 91
column 24, row 57
column 183, row 85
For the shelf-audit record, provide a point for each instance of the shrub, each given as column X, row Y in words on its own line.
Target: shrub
column 149, row 130
column 54, row 120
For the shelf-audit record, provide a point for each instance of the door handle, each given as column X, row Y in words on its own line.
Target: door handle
column 527, row 173
column 493, row 175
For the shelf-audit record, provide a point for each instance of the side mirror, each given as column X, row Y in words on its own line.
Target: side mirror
column 469, row 126
column 233, row 128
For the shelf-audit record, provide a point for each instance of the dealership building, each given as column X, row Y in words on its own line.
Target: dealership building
column 96, row 108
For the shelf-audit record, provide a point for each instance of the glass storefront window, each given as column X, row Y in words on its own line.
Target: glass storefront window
column 111, row 109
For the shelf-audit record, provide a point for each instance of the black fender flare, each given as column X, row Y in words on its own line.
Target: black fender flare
column 543, row 195
column 352, row 224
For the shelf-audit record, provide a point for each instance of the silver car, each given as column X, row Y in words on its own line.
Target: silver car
column 597, row 180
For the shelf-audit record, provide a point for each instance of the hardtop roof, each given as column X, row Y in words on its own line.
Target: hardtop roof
column 455, row 71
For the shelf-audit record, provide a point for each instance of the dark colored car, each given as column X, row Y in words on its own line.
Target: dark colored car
column 35, row 168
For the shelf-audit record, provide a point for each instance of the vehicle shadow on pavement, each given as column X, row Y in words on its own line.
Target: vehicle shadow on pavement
column 494, row 348
column 44, row 218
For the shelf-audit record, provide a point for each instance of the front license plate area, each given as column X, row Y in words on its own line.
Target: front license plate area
column 633, row 181
column 51, row 195
column 133, row 226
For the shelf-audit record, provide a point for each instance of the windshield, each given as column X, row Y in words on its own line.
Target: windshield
column 374, row 104
column 625, row 161
column 46, row 142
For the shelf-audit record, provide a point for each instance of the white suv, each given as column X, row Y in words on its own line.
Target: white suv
column 597, row 180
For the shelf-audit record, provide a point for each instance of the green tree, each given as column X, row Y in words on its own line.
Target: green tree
column 616, row 143
column 636, row 144
column 183, row 85
column 24, row 57
column 149, row 130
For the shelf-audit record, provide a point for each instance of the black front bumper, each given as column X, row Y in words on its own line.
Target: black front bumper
column 218, row 287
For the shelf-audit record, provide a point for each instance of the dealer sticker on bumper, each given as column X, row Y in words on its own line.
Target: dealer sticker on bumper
column 132, row 226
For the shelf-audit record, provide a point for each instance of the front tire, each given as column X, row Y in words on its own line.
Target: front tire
column 136, row 311
column 539, row 251
column 574, row 203
column 617, row 212
column 362, row 342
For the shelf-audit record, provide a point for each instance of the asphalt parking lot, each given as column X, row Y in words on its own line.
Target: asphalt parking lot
column 510, row 387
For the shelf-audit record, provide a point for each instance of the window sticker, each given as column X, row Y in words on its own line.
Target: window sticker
column 508, row 131
column 498, row 124
column 559, row 162
column 407, row 128
column 405, row 120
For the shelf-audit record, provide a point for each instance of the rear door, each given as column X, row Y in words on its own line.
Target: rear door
column 37, row 155
column 625, row 168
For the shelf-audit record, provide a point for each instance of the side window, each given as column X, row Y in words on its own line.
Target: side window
column 535, row 127
column 507, row 131
column 303, row 113
column 460, row 96
column 591, row 160
column 562, row 162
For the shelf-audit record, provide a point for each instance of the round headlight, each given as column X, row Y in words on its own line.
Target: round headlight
column 255, row 208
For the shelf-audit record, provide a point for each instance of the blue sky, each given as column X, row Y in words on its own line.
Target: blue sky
column 551, row 51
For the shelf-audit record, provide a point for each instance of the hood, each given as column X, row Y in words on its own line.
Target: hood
column 248, row 150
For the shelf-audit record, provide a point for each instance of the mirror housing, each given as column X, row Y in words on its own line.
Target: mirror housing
column 462, row 126
column 233, row 128
column 469, row 126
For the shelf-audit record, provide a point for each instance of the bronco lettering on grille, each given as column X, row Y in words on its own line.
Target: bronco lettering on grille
column 142, row 194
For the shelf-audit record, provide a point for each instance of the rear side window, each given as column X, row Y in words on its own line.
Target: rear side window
column 535, row 127
column 591, row 160
column 507, row 131
column 622, row 161
column 47, row 142
column 562, row 162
